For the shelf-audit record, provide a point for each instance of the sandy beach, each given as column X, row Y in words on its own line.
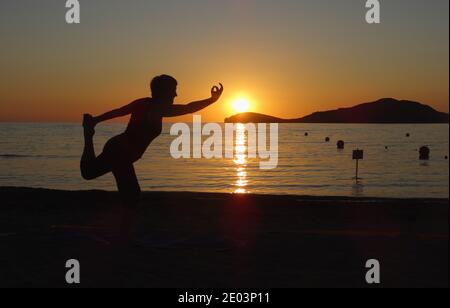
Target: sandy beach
column 222, row 240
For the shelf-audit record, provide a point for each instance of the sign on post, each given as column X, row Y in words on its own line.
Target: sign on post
column 357, row 155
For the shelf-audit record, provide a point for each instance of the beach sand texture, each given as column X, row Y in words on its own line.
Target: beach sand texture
column 222, row 240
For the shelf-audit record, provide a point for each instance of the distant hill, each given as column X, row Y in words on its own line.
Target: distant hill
column 386, row 110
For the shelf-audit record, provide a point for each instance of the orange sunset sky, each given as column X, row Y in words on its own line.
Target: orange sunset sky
column 287, row 58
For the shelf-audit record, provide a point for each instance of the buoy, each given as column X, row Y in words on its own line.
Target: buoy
column 386, row 148
column 446, row 157
column 306, row 134
column 424, row 153
column 408, row 135
column 340, row 145
column 327, row 139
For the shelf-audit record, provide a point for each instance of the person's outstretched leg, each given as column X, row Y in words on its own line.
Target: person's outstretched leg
column 89, row 132
column 130, row 192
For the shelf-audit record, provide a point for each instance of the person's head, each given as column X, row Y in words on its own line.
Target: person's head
column 164, row 88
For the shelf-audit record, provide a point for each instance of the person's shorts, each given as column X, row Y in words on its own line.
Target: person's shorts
column 118, row 151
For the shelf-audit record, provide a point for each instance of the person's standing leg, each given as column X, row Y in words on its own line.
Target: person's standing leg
column 130, row 192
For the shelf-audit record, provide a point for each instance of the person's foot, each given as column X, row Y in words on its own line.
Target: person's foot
column 88, row 125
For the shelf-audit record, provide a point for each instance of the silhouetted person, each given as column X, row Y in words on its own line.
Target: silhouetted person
column 122, row 151
column 340, row 145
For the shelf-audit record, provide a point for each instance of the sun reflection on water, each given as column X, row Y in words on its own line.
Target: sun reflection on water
column 241, row 160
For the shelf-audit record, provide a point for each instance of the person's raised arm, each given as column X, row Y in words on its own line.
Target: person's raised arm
column 120, row 112
column 179, row 110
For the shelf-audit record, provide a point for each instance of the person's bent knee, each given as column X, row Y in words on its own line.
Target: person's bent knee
column 87, row 177
column 86, row 172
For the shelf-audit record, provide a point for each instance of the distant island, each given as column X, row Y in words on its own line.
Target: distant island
column 383, row 111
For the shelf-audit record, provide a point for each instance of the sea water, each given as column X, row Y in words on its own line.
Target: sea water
column 47, row 156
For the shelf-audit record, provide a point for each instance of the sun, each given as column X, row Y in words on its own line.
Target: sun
column 241, row 104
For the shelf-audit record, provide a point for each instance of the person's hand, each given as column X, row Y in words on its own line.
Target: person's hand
column 89, row 126
column 89, row 121
column 216, row 93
